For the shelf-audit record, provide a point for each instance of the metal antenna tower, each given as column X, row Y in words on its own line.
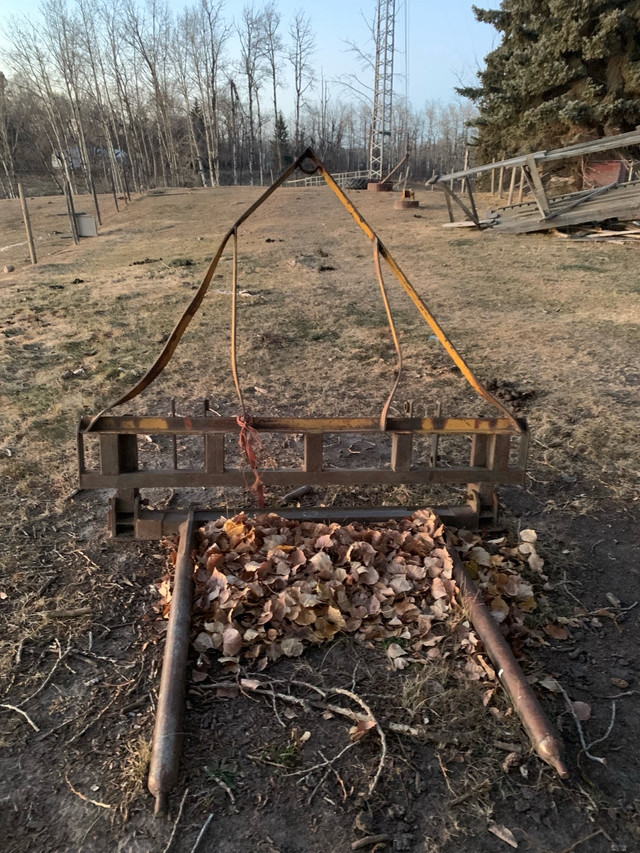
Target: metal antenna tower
column 383, row 88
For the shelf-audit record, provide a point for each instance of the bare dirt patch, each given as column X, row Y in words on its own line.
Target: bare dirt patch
column 530, row 314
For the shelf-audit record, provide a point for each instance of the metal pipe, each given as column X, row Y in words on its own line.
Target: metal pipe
column 545, row 741
column 167, row 734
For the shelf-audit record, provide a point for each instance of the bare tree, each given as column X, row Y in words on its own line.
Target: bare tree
column 250, row 32
column 273, row 46
column 6, row 146
column 301, row 50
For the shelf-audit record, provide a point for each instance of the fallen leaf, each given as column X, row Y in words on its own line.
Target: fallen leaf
column 622, row 683
column 203, row 642
column 229, row 691
column 198, row 675
column 359, row 731
column 556, row 632
column 503, row 833
column 292, row 647
column 231, row 642
column 536, row 562
column 581, row 710
column 528, row 535
column 395, row 650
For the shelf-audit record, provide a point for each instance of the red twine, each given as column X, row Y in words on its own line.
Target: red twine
column 249, row 442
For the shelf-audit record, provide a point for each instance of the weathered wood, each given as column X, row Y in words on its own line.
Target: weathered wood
column 512, row 185
column 521, row 187
column 467, row 212
column 449, row 208
column 621, row 202
column 27, row 225
column 535, row 182
column 599, row 191
column 607, row 143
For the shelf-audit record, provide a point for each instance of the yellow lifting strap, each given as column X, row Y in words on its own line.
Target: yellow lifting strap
column 379, row 251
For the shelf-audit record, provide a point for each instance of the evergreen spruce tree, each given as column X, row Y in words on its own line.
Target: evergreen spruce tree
column 566, row 71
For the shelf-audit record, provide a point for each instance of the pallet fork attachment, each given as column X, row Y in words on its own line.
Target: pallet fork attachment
column 498, row 455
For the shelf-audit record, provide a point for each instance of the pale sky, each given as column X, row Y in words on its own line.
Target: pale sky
column 445, row 43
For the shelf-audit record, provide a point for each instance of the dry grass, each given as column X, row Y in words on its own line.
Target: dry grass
column 547, row 315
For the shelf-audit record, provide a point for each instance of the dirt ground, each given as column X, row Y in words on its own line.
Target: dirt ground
column 80, row 646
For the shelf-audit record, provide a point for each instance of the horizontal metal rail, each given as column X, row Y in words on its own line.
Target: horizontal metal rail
column 197, row 478
column 206, row 425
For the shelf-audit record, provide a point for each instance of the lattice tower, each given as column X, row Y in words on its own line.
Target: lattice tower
column 383, row 89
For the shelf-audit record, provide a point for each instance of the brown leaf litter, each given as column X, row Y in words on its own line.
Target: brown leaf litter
column 268, row 587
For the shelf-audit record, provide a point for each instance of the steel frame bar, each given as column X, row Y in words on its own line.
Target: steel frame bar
column 541, row 733
column 167, row 734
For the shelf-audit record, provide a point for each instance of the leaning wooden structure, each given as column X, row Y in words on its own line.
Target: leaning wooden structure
column 617, row 200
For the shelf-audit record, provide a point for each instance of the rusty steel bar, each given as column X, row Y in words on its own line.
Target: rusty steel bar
column 155, row 425
column 545, row 741
column 167, row 734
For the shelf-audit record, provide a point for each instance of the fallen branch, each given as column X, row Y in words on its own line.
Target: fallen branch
column 61, row 656
column 66, row 614
column 225, row 788
column 201, row 833
column 268, row 690
column 91, row 722
column 176, row 822
column 580, row 841
column 24, row 714
column 322, row 764
column 383, row 740
column 477, row 790
column 370, row 841
column 585, row 747
column 86, row 799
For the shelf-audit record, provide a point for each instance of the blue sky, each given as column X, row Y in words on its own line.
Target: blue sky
column 445, row 43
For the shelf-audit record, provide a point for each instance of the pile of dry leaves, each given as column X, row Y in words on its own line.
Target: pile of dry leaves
column 266, row 587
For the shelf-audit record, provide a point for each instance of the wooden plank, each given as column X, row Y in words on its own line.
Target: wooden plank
column 183, row 478
column 535, row 182
column 620, row 208
column 467, row 211
column 401, row 451
column 606, row 143
column 599, row 191
column 452, row 218
column 512, row 185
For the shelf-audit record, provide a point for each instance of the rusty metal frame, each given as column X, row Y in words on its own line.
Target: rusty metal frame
column 119, row 468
